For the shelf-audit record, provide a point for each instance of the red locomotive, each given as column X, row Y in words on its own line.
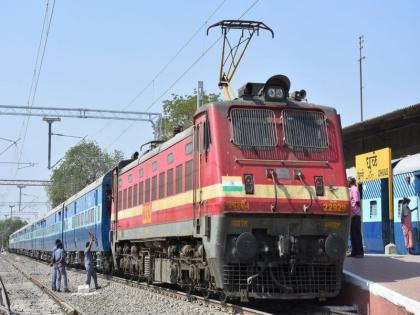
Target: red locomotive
column 249, row 202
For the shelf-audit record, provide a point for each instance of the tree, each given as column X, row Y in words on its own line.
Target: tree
column 7, row 227
column 82, row 165
column 179, row 112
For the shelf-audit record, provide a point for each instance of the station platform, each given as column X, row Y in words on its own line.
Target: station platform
column 383, row 284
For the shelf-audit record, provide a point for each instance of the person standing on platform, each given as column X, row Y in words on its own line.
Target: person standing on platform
column 54, row 265
column 407, row 227
column 61, row 267
column 356, row 223
column 90, row 268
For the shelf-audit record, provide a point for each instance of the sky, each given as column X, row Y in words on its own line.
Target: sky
column 105, row 54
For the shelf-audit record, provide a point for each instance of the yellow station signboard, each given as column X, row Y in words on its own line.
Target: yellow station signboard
column 373, row 165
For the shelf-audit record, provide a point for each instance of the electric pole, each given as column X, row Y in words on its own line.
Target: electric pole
column 20, row 195
column 11, row 211
column 50, row 120
column 200, row 94
column 361, row 41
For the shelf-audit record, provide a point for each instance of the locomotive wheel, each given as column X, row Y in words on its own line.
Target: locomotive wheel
column 206, row 293
column 222, row 296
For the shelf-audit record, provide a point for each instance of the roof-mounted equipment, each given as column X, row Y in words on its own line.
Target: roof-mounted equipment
column 276, row 89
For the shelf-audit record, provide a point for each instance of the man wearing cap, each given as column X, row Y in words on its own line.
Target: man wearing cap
column 406, row 225
column 355, row 226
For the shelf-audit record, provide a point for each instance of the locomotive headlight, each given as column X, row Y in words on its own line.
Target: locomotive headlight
column 279, row 93
column 249, row 184
column 275, row 93
column 271, row 92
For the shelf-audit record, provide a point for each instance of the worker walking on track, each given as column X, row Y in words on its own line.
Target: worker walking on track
column 90, row 268
column 406, row 225
column 61, row 266
column 54, row 265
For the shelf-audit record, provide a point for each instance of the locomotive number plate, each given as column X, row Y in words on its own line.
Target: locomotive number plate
column 147, row 213
column 334, row 207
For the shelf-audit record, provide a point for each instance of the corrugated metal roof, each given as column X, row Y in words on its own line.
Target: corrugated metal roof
column 404, row 113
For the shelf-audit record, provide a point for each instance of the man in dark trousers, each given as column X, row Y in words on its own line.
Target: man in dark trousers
column 356, row 223
column 54, row 265
column 89, row 265
column 61, row 267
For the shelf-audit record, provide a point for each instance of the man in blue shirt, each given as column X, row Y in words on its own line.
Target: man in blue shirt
column 89, row 265
column 61, row 266
column 54, row 265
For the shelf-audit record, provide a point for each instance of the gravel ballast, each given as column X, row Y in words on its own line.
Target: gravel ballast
column 111, row 298
column 25, row 297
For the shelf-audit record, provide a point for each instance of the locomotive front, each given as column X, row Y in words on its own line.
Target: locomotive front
column 272, row 194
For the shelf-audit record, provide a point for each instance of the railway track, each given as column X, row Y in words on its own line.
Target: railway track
column 22, row 293
column 258, row 308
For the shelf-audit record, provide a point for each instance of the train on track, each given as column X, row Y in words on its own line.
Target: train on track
column 249, row 202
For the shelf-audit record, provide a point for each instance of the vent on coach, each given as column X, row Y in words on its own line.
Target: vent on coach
column 304, row 130
column 254, row 128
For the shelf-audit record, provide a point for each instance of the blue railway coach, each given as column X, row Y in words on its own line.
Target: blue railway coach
column 86, row 212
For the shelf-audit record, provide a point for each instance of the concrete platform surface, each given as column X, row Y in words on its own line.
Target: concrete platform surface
column 395, row 278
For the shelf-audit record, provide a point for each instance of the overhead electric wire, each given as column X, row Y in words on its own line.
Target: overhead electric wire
column 35, row 83
column 182, row 75
column 171, row 60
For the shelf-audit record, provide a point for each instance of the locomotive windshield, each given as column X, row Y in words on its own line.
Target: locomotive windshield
column 254, row 128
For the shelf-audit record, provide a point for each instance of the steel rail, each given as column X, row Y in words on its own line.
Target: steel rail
column 5, row 302
column 67, row 308
column 209, row 303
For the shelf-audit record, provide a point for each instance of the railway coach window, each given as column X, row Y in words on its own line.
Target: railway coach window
column 125, row 199
column 170, row 182
column 178, row 179
column 188, row 148
column 400, row 202
column 141, row 193
column 170, row 158
column 154, row 188
column 188, row 175
column 147, row 191
column 119, row 200
column 135, row 195
column 162, row 185
column 247, row 123
column 304, row 130
column 154, row 166
column 130, row 197
column 373, row 209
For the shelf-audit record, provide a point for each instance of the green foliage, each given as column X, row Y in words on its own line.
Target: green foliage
column 82, row 165
column 179, row 111
column 7, row 227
